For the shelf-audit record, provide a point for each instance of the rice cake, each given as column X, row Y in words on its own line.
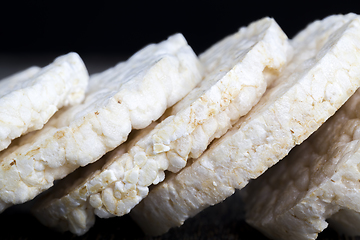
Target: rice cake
column 323, row 74
column 318, row 180
column 29, row 98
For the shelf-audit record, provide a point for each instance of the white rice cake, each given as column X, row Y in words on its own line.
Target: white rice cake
column 238, row 70
column 130, row 95
column 317, row 181
column 29, row 98
column 323, row 74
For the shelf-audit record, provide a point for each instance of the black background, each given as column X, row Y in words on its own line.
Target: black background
column 122, row 27
column 106, row 32
column 35, row 32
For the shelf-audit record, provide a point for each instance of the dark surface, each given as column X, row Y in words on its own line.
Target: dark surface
column 222, row 221
column 122, row 27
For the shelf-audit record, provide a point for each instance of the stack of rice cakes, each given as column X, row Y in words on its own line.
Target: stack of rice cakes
column 245, row 104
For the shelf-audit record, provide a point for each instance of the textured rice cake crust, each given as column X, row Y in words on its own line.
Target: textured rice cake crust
column 236, row 79
column 319, row 79
column 28, row 99
column 67, row 207
column 238, row 69
column 130, row 95
column 318, row 180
